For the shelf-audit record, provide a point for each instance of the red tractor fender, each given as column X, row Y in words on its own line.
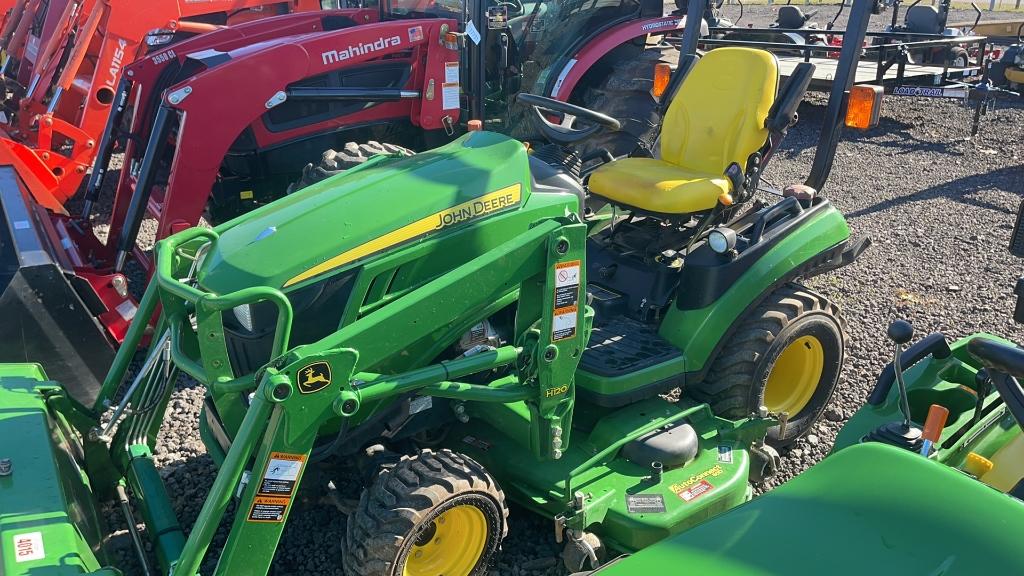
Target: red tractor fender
column 578, row 65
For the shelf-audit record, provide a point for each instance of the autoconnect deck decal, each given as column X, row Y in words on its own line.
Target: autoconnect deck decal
column 694, row 486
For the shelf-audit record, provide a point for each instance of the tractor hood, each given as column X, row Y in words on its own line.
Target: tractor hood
column 369, row 210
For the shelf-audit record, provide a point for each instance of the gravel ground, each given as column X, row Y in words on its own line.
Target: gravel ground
column 939, row 208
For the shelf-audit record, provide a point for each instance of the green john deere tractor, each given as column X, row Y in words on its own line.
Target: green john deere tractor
column 927, row 478
column 453, row 324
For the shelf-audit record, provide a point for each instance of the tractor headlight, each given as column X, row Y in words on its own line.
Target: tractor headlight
column 722, row 240
column 249, row 329
column 159, row 37
column 243, row 314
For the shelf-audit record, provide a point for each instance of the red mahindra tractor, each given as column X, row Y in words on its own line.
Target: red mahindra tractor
column 223, row 122
column 63, row 60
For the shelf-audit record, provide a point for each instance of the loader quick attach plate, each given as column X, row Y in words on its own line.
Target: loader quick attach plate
column 43, row 317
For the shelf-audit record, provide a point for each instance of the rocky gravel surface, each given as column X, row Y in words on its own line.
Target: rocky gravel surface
column 939, row 207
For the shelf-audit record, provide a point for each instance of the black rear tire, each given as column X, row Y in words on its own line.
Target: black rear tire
column 402, row 516
column 625, row 94
column 334, row 162
column 794, row 320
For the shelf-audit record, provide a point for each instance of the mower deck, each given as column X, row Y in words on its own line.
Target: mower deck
column 628, row 506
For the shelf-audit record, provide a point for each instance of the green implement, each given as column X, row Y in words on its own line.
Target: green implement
column 869, row 508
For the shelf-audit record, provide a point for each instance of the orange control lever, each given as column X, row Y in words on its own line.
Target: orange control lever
column 933, row 426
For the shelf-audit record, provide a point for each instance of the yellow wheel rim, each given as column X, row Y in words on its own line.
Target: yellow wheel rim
column 795, row 376
column 451, row 546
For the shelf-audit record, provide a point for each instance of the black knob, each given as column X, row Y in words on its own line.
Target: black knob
column 900, row 332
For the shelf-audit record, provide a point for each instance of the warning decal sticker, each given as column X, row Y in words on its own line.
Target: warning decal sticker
column 696, row 491
column 567, row 295
column 450, row 96
column 281, row 475
column 268, row 509
column 696, row 485
column 451, row 72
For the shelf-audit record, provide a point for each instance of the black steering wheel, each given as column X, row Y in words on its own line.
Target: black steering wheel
column 1001, row 359
column 564, row 134
column 516, row 5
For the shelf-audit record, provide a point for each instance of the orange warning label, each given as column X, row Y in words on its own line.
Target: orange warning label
column 567, row 296
column 281, row 475
column 268, row 509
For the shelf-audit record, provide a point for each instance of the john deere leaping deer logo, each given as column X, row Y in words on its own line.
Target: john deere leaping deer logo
column 314, row 377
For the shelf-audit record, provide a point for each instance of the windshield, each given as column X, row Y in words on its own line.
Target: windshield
column 426, row 8
column 549, row 29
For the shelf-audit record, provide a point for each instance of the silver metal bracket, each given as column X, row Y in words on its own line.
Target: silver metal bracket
column 276, row 99
column 179, row 95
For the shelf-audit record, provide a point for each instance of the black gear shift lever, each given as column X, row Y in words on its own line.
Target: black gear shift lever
column 903, row 433
column 901, row 332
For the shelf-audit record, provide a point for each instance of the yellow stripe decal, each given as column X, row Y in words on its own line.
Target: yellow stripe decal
column 487, row 204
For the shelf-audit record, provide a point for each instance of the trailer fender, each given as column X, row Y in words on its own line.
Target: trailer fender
column 573, row 70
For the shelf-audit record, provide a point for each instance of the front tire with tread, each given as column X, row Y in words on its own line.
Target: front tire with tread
column 401, row 506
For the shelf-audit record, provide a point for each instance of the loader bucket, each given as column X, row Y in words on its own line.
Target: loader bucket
column 43, row 318
column 34, row 173
column 49, row 523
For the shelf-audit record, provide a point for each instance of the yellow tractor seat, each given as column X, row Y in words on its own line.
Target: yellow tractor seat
column 657, row 186
column 717, row 118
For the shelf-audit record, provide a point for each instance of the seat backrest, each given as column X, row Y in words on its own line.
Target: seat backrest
column 718, row 115
column 924, row 19
column 790, row 17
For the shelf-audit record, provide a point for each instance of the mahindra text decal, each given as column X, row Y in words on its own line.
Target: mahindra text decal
column 332, row 56
column 115, row 63
column 663, row 24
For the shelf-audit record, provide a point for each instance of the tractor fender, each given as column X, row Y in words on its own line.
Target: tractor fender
column 699, row 324
column 573, row 70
